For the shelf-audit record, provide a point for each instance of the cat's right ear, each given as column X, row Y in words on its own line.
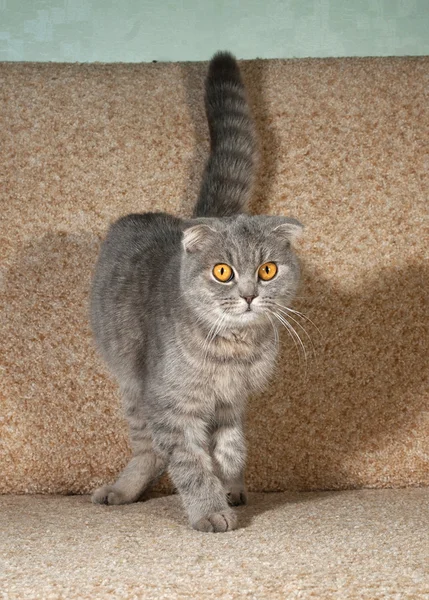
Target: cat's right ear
column 197, row 236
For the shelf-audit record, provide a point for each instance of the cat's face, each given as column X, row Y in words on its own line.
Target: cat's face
column 238, row 271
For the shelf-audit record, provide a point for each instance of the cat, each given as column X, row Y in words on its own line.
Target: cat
column 183, row 312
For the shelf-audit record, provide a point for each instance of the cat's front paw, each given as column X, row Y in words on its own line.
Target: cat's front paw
column 237, row 497
column 107, row 494
column 219, row 522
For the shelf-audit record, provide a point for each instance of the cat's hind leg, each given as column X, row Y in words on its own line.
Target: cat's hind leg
column 145, row 467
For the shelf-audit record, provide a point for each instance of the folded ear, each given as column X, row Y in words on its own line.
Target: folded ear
column 197, row 236
column 285, row 228
column 290, row 229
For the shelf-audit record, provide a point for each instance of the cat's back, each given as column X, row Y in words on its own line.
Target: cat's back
column 136, row 263
column 138, row 235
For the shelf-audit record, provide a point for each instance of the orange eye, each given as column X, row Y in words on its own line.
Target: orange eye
column 223, row 273
column 267, row 271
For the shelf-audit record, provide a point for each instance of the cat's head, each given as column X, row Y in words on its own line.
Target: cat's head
column 238, row 270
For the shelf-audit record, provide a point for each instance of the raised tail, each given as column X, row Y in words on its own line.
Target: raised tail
column 230, row 171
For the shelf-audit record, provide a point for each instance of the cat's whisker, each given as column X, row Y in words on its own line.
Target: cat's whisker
column 207, row 340
column 299, row 314
column 293, row 333
column 209, row 336
column 288, row 316
column 287, row 329
column 213, row 332
column 219, row 327
column 276, row 333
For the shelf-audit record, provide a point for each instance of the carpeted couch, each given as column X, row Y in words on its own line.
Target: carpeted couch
column 345, row 149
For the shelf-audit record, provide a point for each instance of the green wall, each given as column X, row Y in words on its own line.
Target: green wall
column 168, row 30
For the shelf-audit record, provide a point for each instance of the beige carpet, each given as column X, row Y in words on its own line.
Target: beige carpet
column 361, row 545
column 346, row 150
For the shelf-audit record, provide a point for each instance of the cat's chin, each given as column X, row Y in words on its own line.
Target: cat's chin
column 249, row 316
column 242, row 320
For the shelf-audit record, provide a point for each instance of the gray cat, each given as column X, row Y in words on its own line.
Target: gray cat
column 185, row 313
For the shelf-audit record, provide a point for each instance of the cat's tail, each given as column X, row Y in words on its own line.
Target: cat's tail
column 229, row 175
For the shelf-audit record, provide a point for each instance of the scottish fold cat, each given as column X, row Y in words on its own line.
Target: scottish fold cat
column 185, row 313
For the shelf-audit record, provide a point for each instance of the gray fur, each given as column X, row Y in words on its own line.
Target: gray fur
column 188, row 350
column 230, row 171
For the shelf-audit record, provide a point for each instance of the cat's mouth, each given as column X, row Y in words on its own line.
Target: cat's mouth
column 242, row 313
column 249, row 314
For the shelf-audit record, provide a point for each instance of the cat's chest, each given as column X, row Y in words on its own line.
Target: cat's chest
column 240, row 373
column 228, row 372
column 234, row 380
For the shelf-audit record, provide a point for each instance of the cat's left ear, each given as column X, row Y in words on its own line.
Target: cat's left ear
column 286, row 227
column 196, row 237
column 291, row 229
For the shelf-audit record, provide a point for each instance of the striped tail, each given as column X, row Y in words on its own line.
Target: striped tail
column 229, row 175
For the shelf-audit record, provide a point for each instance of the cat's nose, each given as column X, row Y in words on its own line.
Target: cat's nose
column 249, row 299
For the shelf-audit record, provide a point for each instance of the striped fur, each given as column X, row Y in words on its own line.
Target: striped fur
column 230, row 171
